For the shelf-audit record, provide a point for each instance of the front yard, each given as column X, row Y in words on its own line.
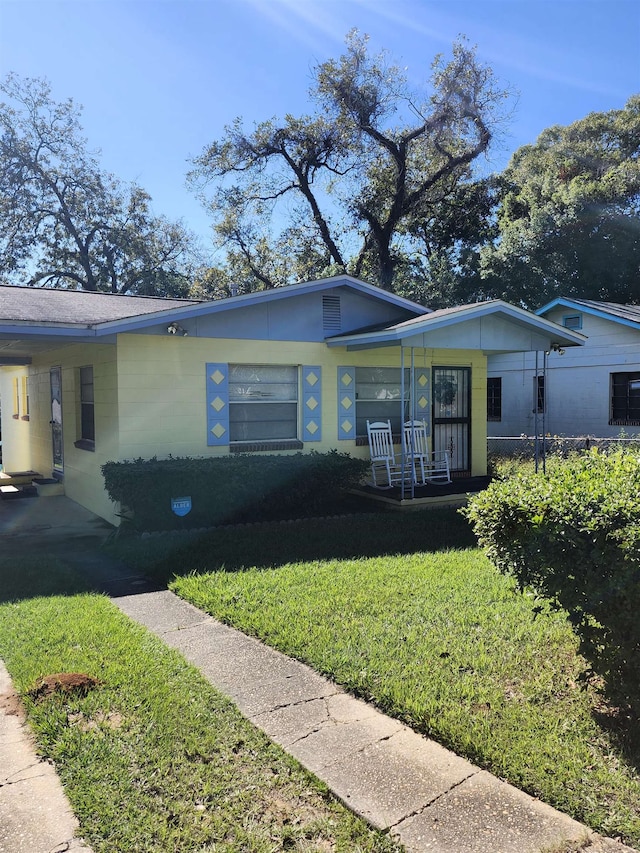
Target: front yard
column 434, row 635
column 403, row 610
column 154, row 759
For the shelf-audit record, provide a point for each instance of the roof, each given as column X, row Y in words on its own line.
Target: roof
column 34, row 319
column 628, row 315
column 460, row 315
column 108, row 313
column 39, row 304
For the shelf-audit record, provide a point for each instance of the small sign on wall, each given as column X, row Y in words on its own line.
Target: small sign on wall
column 181, row 506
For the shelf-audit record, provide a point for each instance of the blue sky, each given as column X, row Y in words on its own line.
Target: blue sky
column 159, row 79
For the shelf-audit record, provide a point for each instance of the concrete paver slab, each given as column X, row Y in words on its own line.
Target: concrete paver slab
column 485, row 815
column 256, row 677
column 161, row 611
column 332, row 745
column 293, row 722
column 35, row 815
column 396, row 777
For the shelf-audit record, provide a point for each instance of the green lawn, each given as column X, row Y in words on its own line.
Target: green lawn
column 154, row 759
column 434, row 636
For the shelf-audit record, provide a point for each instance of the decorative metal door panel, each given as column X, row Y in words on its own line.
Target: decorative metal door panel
column 55, row 376
column 452, row 415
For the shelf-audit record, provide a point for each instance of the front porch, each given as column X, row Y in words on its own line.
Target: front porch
column 424, row 496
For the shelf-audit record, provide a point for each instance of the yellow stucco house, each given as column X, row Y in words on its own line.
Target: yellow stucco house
column 87, row 378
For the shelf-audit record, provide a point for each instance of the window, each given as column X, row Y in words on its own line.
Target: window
column 625, row 398
column 538, row 394
column 16, row 398
column 87, row 413
column 572, row 321
column 378, row 391
column 494, row 398
column 263, row 402
column 25, row 398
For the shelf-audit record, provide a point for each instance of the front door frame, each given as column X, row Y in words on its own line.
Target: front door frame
column 452, row 422
column 57, row 444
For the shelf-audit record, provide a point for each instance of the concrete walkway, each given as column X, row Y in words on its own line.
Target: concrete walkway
column 427, row 797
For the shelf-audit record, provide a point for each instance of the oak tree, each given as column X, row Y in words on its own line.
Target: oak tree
column 569, row 221
column 65, row 221
column 356, row 185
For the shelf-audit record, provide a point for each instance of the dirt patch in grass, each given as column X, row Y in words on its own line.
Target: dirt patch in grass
column 63, row 682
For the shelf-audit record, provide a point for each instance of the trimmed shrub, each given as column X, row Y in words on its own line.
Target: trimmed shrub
column 573, row 536
column 230, row 489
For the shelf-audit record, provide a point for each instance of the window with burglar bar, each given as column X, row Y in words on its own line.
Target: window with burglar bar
column 625, row 398
column 494, row 398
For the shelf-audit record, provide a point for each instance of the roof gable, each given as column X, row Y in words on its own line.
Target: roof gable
column 626, row 315
column 110, row 313
column 493, row 326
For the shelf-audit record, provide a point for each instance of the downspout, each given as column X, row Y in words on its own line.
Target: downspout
column 402, row 451
column 535, row 415
column 544, row 411
column 412, row 417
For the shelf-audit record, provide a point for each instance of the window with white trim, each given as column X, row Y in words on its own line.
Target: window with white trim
column 16, row 398
column 378, row 395
column 263, row 402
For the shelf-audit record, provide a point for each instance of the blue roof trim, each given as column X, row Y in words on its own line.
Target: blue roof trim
column 586, row 308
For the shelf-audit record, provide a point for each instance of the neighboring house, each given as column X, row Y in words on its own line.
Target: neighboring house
column 86, row 378
column 593, row 390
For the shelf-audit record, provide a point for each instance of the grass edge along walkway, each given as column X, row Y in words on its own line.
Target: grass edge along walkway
column 154, row 758
column 321, row 612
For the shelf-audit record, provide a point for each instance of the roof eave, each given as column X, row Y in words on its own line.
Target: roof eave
column 234, row 302
column 589, row 309
column 405, row 331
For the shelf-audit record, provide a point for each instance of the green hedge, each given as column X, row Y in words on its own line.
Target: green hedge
column 230, row 489
column 573, row 535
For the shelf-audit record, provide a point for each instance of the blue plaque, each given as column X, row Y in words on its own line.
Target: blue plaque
column 181, row 506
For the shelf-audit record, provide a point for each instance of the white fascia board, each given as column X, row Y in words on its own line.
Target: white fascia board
column 26, row 328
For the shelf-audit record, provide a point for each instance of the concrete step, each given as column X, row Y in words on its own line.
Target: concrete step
column 17, row 478
column 47, row 487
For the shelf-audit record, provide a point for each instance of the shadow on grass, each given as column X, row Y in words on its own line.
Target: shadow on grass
column 25, row 576
column 346, row 537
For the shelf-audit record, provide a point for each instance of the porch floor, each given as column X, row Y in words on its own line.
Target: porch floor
column 432, row 494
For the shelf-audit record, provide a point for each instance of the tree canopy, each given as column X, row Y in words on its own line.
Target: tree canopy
column 371, row 183
column 569, row 220
column 64, row 221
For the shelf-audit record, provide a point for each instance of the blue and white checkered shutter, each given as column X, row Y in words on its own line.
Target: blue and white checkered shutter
column 422, row 395
column 217, row 404
column 346, row 402
column 311, row 404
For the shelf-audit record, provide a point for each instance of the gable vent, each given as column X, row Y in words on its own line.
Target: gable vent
column 572, row 321
column 331, row 317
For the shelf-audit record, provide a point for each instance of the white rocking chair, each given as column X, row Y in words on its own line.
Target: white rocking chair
column 384, row 465
column 430, row 466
